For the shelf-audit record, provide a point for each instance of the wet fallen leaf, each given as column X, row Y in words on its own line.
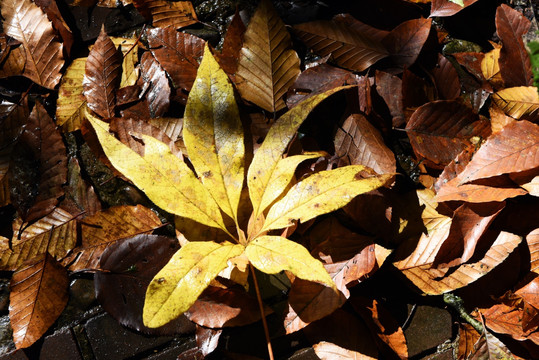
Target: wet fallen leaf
column 448, row 7
column 405, row 42
column 71, row 101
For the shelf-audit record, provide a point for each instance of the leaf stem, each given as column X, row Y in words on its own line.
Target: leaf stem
column 458, row 304
column 262, row 313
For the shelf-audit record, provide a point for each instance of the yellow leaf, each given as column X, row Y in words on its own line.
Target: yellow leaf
column 518, row 101
column 213, row 134
column 165, row 179
column 270, row 152
column 177, row 286
column 283, row 174
column 491, row 68
column 273, row 254
column 71, row 102
column 321, row 193
column 129, row 71
column 268, row 65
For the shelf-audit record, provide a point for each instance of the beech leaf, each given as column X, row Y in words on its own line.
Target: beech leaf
column 177, row 286
column 322, row 193
column 102, row 76
column 27, row 23
column 166, row 179
column 273, row 254
column 406, row 41
column 71, row 101
column 448, row 7
column 176, row 14
column 39, row 293
column 213, row 135
column 157, row 85
column 267, row 64
column 518, row 102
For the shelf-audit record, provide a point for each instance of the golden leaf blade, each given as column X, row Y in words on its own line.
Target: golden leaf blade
column 129, row 49
column 39, row 293
column 518, row 101
column 283, row 175
column 490, row 67
column 270, row 152
column 273, row 254
column 27, row 23
column 213, row 134
column 433, row 282
column 177, row 286
column 322, row 193
column 163, row 177
column 267, row 65
column 71, row 102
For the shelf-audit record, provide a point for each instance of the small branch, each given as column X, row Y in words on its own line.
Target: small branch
column 262, row 313
column 458, row 304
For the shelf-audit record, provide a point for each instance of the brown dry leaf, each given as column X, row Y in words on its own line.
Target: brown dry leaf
column 505, row 319
column 38, row 167
column 380, row 322
column 389, row 87
column 434, row 281
column 361, row 27
column 267, row 65
column 102, row 76
column 178, row 53
column 529, row 294
column 347, row 47
column 156, row 84
column 446, row 79
column 55, row 234
column 447, row 8
column 176, row 14
column 440, row 130
column 26, row 22
column 490, row 67
column 533, row 245
column 468, row 337
column 514, row 61
column 471, row 61
column 405, row 42
column 498, row 119
column 79, row 191
column 53, row 13
column 518, row 102
column 232, row 43
column 39, row 293
column 71, row 102
column 498, row 189
column 514, row 149
column 358, row 142
column 469, row 223
column 14, row 62
column 490, row 348
column 217, row 308
column 107, row 227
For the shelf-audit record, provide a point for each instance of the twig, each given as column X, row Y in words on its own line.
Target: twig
column 458, row 304
column 262, row 313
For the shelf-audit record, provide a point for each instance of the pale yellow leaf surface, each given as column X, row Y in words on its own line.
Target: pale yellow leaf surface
column 518, row 101
column 163, row 177
column 491, row 68
column 273, row 254
column 268, row 65
column 282, row 176
column 71, row 102
column 213, row 134
column 429, row 244
column 130, row 72
column 180, row 282
column 433, row 281
column 322, row 193
column 532, row 186
column 270, row 152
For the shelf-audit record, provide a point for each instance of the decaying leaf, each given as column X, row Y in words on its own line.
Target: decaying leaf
column 406, row 41
column 27, row 23
column 267, row 65
column 448, row 7
column 71, row 101
column 176, row 14
column 39, row 293
column 156, row 84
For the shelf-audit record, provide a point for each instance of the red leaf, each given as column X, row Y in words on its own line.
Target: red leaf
column 515, row 66
column 406, row 41
column 447, row 8
column 440, row 130
column 389, row 87
column 232, row 44
column 446, row 79
column 102, row 76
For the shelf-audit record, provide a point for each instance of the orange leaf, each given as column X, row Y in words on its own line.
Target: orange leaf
column 39, row 293
column 518, row 102
column 447, row 8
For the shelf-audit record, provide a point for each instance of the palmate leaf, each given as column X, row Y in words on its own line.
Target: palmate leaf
column 177, row 286
column 27, row 23
column 165, row 179
column 322, row 193
column 273, row 254
column 270, row 153
column 213, row 135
